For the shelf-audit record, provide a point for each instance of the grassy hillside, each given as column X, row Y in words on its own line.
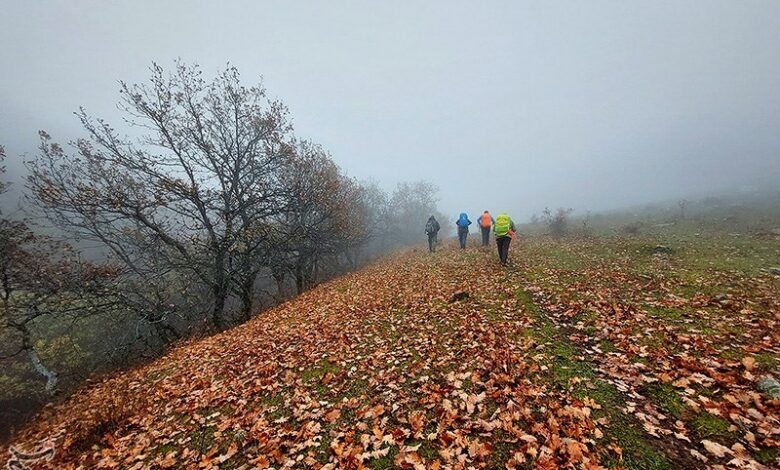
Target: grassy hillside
column 584, row 353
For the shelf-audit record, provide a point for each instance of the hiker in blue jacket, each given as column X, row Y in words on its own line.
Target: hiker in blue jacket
column 463, row 223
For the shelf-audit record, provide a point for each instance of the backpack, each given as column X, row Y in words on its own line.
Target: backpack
column 503, row 224
column 463, row 220
column 485, row 221
column 430, row 227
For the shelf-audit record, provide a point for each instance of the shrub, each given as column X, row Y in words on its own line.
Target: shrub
column 630, row 229
column 556, row 222
column 107, row 414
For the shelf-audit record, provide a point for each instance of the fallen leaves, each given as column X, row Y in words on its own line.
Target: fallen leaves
column 380, row 367
column 716, row 449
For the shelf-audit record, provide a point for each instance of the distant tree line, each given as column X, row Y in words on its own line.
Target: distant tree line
column 214, row 210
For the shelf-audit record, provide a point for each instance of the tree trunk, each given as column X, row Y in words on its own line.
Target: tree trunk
column 51, row 376
column 167, row 333
column 279, row 276
column 300, row 282
column 352, row 257
column 247, row 304
column 217, row 314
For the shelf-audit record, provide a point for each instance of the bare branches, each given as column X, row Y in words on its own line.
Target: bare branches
column 196, row 183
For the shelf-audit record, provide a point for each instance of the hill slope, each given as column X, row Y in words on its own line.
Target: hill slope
column 584, row 353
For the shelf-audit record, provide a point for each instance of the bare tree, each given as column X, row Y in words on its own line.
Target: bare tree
column 585, row 222
column 411, row 205
column 41, row 277
column 682, row 204
column 558, row 221
column 193, row 187
column 324, row 217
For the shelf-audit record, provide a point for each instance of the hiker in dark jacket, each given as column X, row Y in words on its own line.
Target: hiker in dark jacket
column 463, row 223
column 432, row 230
column 485, row 223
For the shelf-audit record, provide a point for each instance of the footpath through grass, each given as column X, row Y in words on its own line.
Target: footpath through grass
column 583, row 354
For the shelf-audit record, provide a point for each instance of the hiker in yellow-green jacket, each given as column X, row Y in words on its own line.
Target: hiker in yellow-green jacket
column 504, row 229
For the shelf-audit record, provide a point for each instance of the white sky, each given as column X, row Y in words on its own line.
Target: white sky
column 504, row 105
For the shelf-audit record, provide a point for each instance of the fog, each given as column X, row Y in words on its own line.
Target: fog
column 508, row 106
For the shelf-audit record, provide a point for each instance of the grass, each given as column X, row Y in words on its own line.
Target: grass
column 203, row 438
column 769, row 455
column 314, row 375
column 570, row 358
column 426, row 450
column 698, row 267
column 502, row 450
column 667, row 398
column 386, row 461
column 709, row 426
column 275, row 404
column 638, row 451
column 607, row 346
column 661, row 313
column 767, row 362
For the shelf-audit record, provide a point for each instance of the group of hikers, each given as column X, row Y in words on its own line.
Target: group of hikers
column 502, row 226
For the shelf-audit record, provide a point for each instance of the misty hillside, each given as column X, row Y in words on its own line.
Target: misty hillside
column 584, row 353
column 219, row 225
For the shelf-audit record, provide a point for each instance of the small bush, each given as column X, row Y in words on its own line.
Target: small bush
column 103, row 417
column 630, row 229
column 557, row 222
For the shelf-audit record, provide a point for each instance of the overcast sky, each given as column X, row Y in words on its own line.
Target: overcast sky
column 504, row 105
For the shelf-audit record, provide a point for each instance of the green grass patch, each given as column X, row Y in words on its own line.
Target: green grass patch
column 502, row 450
column 732, row 354
column 275, row 406
column 426, row 450
column 709, row 426
column 767, row 361
column 637, row 452
column 493, row 315
column 357, row 387
column 666, row 397
column 386, row 461
column 663, row 313
column 768, row 456
column 316, row 373
column 607, row 346
column 202, row 439
column 323, row 449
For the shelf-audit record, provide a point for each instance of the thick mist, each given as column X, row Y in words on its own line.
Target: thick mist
column 509, row 106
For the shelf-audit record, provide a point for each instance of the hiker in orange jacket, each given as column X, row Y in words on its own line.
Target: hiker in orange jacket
column 485, row 224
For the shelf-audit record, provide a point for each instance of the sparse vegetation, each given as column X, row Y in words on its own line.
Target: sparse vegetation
column 557, row 222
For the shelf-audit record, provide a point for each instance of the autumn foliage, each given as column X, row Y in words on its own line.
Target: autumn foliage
column 215, row 212
column 541, row 366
